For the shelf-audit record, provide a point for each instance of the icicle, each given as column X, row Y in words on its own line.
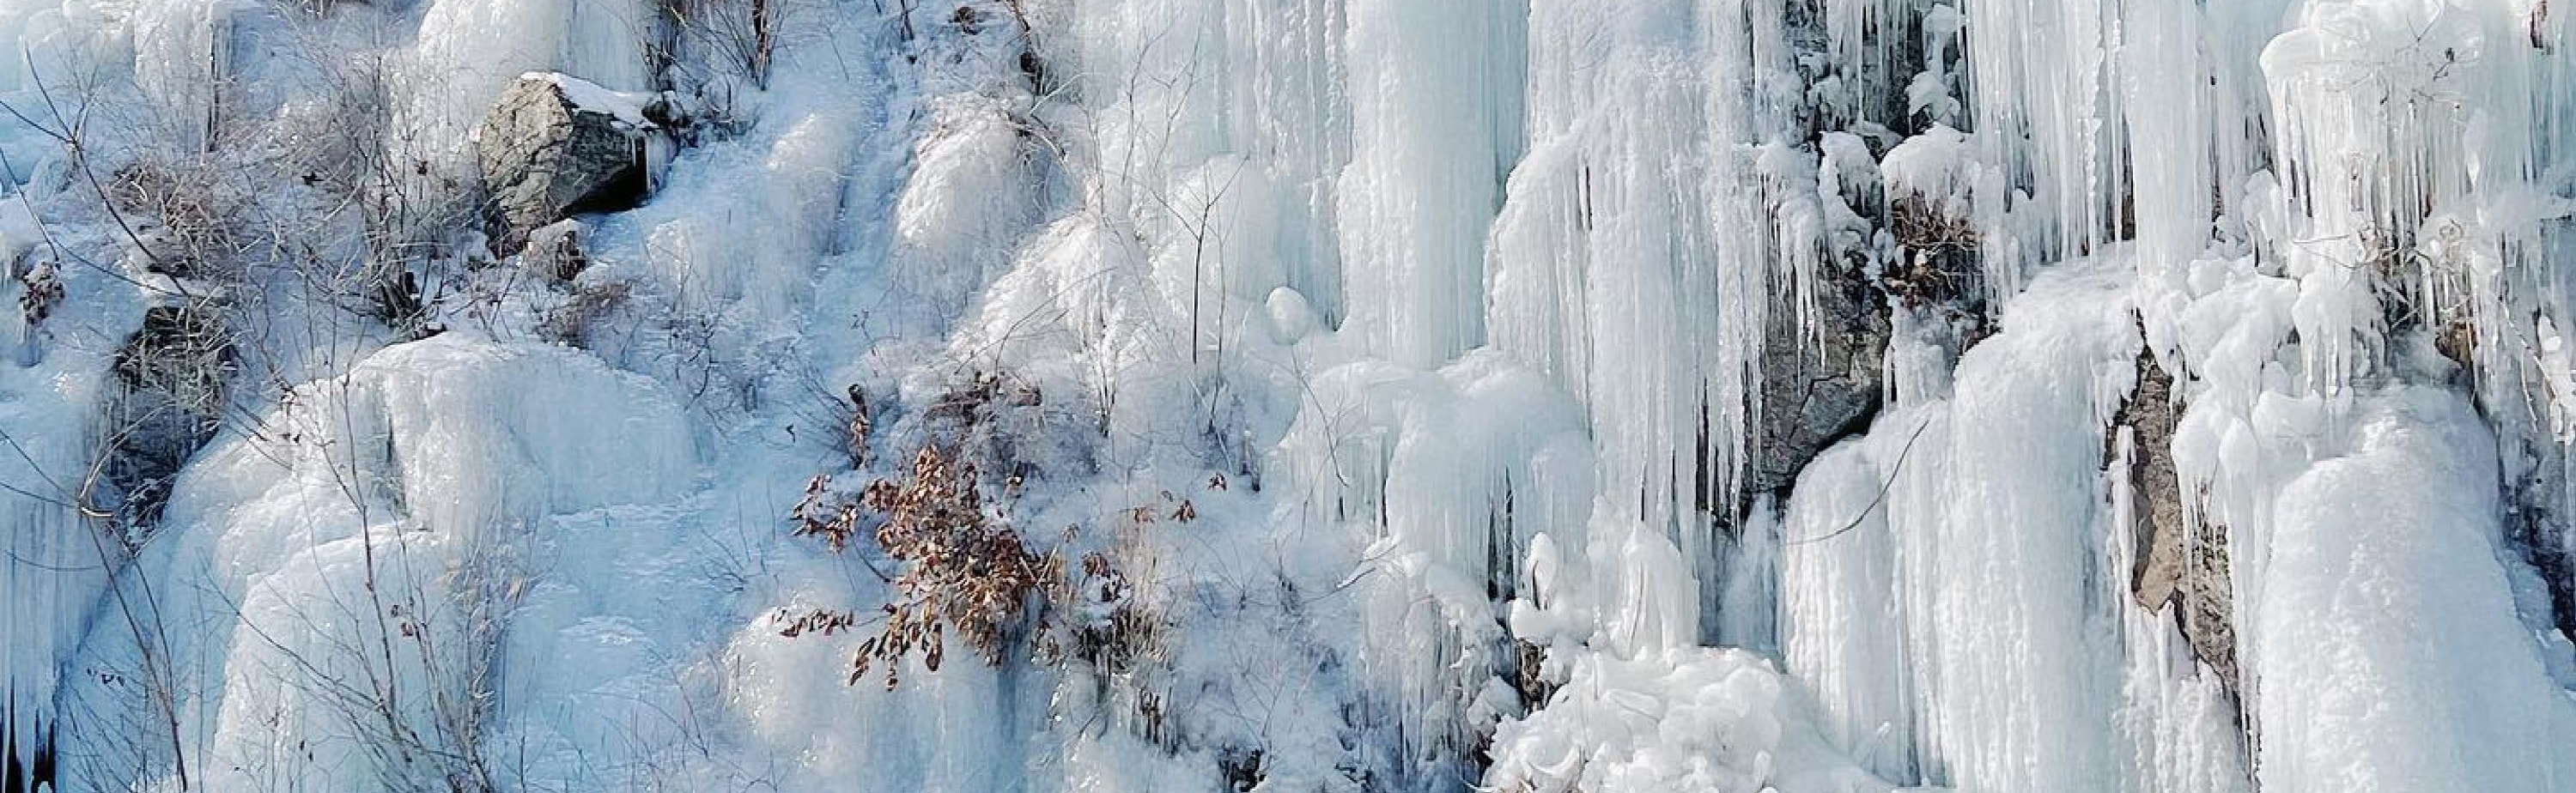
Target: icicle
column 1435, row 124
column 1841, row 620
column 1631, row 261
column 2047, row 117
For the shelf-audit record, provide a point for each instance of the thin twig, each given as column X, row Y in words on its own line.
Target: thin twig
column 1883, row 487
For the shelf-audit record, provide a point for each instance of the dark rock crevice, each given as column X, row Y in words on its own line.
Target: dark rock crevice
column 171, row 383
column 26, row 749
column 2178, row 562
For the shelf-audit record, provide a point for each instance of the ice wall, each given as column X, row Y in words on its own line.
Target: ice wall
column 57, row 562
column 2393, row 657
column 2275, row 247
column 1955, row 589
column 1944, row 584
column 1633, row 259
column 1435, row 93
column 464, row 52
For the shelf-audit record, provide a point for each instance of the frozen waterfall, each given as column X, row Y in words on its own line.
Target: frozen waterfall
column 1810, row 396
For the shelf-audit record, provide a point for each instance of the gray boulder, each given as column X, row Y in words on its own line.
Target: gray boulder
column 557, row 145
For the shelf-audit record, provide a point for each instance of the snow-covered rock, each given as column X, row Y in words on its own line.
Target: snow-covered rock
column 554, row 145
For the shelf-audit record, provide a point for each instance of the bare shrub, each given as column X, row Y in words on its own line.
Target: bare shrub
column 1921, row 226
column 967, row 574
column 40, row 290
column 736, row 37
column 1940, row 262
column 989, row 418
column 1117, row 630
column 196, row 232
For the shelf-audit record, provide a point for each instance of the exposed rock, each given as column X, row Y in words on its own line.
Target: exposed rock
column 2157, row 572
column 555, row 145
column 2514, row 396
column 171, row 379
column 2536, row 522
column 2209, row 602
column 555, row 251
column 399, row 303
column 39, row 285
column 1241, row 768
column 1817, row 390
column 1528, row 674
column 2177, row 560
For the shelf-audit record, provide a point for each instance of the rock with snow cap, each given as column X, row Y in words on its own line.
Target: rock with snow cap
column 557, row 145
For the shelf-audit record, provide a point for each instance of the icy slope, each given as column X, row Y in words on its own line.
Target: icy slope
column 2378, row 599
column 1819, row 396
column 349, row 565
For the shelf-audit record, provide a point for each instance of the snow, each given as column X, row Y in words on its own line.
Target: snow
column 1937, row 166
column 587, row 95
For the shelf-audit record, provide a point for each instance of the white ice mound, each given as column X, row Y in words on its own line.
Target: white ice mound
column 459, row 434
column 358, row 549
column 483, row 432
column 2388, row 656
column 1715, row 719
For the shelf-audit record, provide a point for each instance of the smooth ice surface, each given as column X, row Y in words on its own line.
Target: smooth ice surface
column 2393, row 660
column 1941, row 591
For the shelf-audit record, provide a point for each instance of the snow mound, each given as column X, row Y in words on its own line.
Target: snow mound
column 477, row 433
column 1692, row 719
column 966, row 203
column 1939, row 164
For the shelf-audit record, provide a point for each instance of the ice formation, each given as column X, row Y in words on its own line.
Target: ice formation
column 1812, row 396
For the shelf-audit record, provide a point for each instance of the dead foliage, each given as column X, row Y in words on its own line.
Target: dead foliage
column 40, row 289
column 962, row 571
column 1939, row 263
column 964, row 575
column 1920, row 226
column 821, row 621
column 190, row 206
